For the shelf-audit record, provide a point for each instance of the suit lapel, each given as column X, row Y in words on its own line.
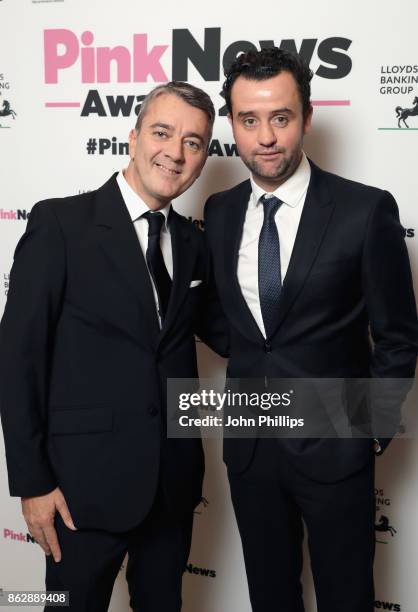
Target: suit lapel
column 233, row 228
column 183, row 263
column 314, row 221
column 120, row 244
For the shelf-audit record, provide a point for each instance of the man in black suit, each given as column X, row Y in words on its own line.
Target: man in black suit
column 104, row 294
column 304, row 262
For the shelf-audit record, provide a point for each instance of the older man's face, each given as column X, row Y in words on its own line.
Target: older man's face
column 169, row 150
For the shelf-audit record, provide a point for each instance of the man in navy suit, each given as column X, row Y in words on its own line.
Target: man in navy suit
column 305, row 261
column 103, row 304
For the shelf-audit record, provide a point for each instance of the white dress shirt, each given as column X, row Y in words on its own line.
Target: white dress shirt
column 136, row 208
column 293, row 193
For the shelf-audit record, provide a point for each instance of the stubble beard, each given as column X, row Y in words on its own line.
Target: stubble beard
column 280, row 172
column 277, row 175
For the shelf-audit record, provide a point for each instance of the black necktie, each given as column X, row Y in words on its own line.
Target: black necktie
column 156, row 263
column 269, row 273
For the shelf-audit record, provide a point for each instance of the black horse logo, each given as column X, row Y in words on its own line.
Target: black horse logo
column 384, row 525
column 6, row 110
column 403, row 113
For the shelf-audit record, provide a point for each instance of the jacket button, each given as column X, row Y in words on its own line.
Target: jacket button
column 267, row 347
column 153, row 410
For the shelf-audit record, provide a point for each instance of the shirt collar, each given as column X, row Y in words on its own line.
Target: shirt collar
column 291, row 191
column 136, row 205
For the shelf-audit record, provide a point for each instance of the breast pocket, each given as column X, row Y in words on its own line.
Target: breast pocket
column 194, row 284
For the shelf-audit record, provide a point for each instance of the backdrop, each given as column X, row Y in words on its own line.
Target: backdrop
column 72, row 74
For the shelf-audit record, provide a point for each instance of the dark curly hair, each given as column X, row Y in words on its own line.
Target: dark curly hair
column 265, row 64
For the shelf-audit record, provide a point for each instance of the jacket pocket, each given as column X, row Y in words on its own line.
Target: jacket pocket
column 80, row 420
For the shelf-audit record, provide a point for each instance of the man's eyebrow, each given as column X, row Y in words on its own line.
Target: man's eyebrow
column 166, row 126
column 194, row 135
column 277, row 111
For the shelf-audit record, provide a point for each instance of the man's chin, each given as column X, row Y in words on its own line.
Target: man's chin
column 278, row 173
column 273, row 177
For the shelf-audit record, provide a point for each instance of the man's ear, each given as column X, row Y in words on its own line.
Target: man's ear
column 133, row 136
column 229, row 119
column 308, row 121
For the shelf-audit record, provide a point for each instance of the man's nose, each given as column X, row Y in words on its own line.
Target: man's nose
column 266, row 135
column 174, row 150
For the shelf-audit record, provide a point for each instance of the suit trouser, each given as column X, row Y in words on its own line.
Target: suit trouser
column 270, row 499
column 157, row 550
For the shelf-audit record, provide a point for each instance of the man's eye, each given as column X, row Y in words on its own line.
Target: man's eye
column 193, row 145
column 249, row 121
column 160, row 134
column 281, row 120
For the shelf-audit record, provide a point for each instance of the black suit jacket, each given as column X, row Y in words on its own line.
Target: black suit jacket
column 349, row 269
column 83, row 362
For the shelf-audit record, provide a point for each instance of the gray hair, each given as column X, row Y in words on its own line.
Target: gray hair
column 188, row 93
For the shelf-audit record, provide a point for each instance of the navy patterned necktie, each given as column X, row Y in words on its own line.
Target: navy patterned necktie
column 269, row 273
column 155, row 261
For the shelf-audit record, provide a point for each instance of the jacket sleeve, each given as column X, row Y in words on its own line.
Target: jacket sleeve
column 26, row 344
column 390, row 302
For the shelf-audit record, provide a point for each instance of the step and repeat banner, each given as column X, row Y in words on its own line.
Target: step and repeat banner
column 72, row 77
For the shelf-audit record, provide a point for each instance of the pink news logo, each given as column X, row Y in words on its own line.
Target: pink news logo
column 14, row 215
column 95, row 63
column 66, row 51
column 18, row 536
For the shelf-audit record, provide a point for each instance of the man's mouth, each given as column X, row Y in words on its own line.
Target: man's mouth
column 269, row 154
column 170, row 171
